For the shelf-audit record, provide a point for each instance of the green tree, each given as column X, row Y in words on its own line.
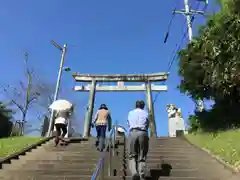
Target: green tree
column 5, row 123
column 193, row 123
column 210, row 66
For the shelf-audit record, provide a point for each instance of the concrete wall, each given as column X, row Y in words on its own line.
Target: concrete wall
column 175, row 124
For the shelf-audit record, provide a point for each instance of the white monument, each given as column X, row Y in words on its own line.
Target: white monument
column 175, row 120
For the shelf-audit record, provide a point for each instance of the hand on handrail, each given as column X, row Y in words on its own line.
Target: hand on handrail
column 111, row 135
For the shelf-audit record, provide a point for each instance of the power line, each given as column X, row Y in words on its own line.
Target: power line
column 174, row 55
column 175, row 52
column 170, row 22
column 180, row 44
column 183, row 37
column 189, row 14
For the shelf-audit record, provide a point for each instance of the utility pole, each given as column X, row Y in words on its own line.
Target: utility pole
column 188, row 13
column 63, row 50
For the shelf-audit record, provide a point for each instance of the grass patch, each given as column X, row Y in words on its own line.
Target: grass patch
column 223, row 144
column 14, row 144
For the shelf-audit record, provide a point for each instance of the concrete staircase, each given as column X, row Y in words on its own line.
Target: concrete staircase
column 176, row 159
column 77, row 161
column 168, row 159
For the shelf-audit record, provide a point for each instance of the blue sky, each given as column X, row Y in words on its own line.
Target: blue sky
column 103, row 37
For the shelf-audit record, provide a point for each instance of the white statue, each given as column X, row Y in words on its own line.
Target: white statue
column 171, row 109
column 179, row 113
column 175, row 120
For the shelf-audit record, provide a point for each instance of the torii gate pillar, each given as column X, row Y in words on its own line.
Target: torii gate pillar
column 152, row 123
column 89, row 113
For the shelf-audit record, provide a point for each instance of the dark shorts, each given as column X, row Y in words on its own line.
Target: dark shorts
column 61, row 129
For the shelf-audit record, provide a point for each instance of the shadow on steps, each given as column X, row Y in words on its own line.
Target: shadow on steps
column 155, row 174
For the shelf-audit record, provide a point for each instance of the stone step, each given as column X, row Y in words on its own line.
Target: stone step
column 181, row 159
column 52, row 172
column 87, row 144
column 180, row 164
column 65, row 155
column 167, row 152
column 157, row 165
column 178, row 168
column 176, row 148
column 58, row 157
column 83, row 150
column 167, row 172
column 66, row 161
column 175, row 142
column 153, row 140
column 70, row 149
column 88, row 153
column 176, row 151
column 84, row 162
column 154, row 173
column 43, row 164
column 85, row 177
column 171, row 146
column 78, row 150
column 169, row 143
column 172, row 155
column 177, row 156
column 175, row 165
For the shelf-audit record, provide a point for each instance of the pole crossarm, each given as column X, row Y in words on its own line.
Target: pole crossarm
column 191, row 12
column 86, row 88
column 154, row 77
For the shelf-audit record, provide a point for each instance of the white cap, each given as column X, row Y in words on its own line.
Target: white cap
column 120, row 129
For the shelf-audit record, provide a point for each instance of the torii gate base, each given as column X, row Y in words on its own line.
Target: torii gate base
column 148, row 87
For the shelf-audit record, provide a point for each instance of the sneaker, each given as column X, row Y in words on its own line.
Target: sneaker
column 56, row 142
column 96, row 143
column 136, row 177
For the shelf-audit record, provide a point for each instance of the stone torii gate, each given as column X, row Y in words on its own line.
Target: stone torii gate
column 148, row 87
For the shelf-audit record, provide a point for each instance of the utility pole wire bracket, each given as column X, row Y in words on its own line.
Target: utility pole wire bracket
column 191, row 12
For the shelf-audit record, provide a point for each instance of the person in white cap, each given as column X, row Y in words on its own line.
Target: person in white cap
column 61, row 123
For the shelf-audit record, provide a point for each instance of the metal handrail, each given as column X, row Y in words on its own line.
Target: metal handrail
column 110, row 140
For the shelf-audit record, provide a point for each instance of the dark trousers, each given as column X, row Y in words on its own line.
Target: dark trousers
column 61, row 131
column 138, row 149
column 101, row 135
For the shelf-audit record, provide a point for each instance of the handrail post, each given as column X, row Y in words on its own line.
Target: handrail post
column 110, row 157
column 102, row 171
column 114, row 139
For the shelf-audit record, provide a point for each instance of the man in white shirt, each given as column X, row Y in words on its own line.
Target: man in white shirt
column 138, row 140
